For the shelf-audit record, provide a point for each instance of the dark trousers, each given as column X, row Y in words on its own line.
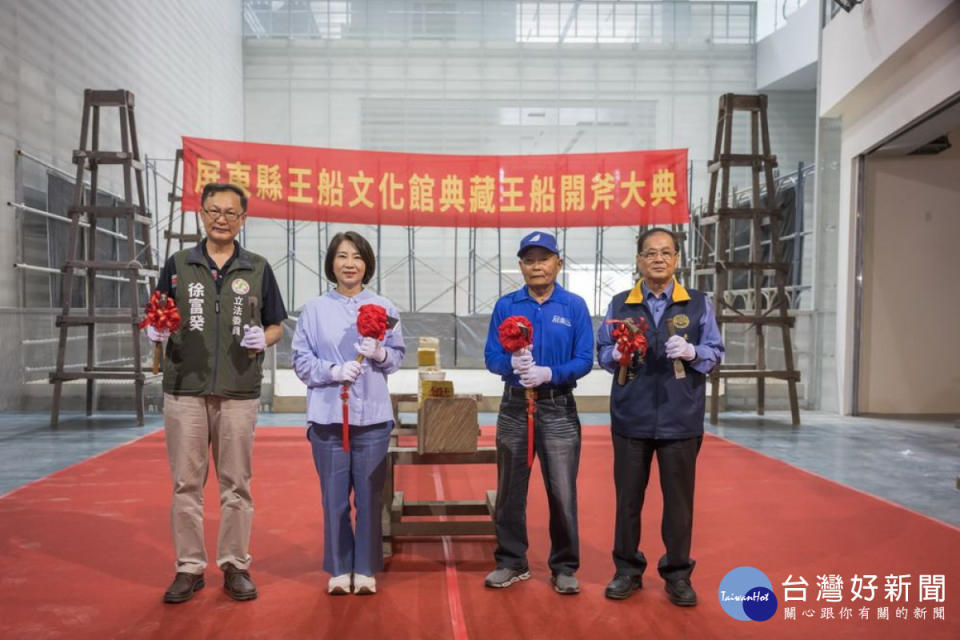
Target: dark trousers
column 557, row 444
column 677, row 461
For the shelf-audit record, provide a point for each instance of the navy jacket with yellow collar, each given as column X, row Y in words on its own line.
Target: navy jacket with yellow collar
column 654, row 403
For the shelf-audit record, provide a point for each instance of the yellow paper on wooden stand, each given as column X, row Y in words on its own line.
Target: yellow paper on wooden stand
column 435, row 389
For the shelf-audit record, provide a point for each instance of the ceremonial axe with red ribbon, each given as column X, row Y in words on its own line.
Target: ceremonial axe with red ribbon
column 631, row 338
column 516, row 334
column 161, row 313
column 372, row 322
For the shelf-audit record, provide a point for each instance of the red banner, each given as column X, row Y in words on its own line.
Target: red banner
column 418, row 189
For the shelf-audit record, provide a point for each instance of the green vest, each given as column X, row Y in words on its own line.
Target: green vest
column 204, row 356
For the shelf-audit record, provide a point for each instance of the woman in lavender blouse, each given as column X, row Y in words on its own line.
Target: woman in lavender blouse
column 325, row 348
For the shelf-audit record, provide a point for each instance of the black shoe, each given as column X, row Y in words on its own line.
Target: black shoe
column 681, row 593
column 237, row 583
column 183, row 587
column 622, row 587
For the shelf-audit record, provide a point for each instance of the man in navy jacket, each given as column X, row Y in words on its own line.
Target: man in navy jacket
column 658, row 411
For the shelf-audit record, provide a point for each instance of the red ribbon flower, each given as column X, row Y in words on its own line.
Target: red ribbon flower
column 631, row 338
column 161, row 315
column 512, row 337
column 372, row 321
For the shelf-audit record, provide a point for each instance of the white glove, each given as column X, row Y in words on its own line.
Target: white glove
column 372, row 349
column 253, row 338
column 521, row 361
column 536, row 376
column 347, row 372
column 677, row 347
column 615, row 354
column 157, row 335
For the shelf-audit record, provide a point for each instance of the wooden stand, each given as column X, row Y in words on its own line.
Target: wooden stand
column 128, row 262
column 716, row 227
column 396, row 508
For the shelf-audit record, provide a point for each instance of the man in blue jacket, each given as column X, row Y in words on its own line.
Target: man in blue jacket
column 659, row 410
column 562, row 352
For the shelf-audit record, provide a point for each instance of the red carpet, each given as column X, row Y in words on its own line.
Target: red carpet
column 86, row 553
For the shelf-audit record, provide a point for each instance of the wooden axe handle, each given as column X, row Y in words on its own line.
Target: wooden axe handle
column 678, row 371
column 254, row 320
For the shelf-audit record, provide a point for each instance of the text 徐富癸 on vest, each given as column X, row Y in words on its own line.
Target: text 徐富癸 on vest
column 204, row 356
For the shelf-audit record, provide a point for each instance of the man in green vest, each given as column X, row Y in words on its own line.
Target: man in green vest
column 231, row 311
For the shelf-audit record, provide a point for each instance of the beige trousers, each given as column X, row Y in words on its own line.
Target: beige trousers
column 192, row 424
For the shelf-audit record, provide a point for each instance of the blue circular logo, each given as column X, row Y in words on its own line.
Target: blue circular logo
column 747, row 594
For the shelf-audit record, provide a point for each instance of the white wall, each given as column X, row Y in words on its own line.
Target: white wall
column 787, row 58
column 182, row 59
column 856, row 44
column 910, row 363
column 823, row 392
column 792, row 118
column 880, row 95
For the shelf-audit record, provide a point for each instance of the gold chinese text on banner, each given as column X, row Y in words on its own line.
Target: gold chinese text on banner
column 417, row 189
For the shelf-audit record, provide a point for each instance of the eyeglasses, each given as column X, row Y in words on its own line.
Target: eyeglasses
column 666, row 254
column 229, row 216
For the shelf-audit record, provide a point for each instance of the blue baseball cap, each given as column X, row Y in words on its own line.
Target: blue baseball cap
column 538, row 239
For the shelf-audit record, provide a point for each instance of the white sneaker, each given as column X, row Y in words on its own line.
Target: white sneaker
column 339, row 585
column 364, row 585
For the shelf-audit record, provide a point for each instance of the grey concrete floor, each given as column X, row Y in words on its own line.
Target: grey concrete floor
column 909, row 462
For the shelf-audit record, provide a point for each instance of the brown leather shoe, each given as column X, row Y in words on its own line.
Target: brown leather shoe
column 183, row 587
column 238, row 584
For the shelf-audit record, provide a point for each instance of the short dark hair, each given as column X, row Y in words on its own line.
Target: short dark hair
column 649, row 232
column 363, row 247
column 218, row 187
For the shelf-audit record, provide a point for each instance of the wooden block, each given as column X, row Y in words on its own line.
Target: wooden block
column 426, row 342
column 447, row 425
column 428, row 357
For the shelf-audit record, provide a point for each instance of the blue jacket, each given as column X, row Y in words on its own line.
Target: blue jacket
column 562, row 335
column 654, row 403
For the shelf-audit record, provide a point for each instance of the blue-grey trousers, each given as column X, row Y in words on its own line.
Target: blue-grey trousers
column 361, row 470
column 557, row 445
